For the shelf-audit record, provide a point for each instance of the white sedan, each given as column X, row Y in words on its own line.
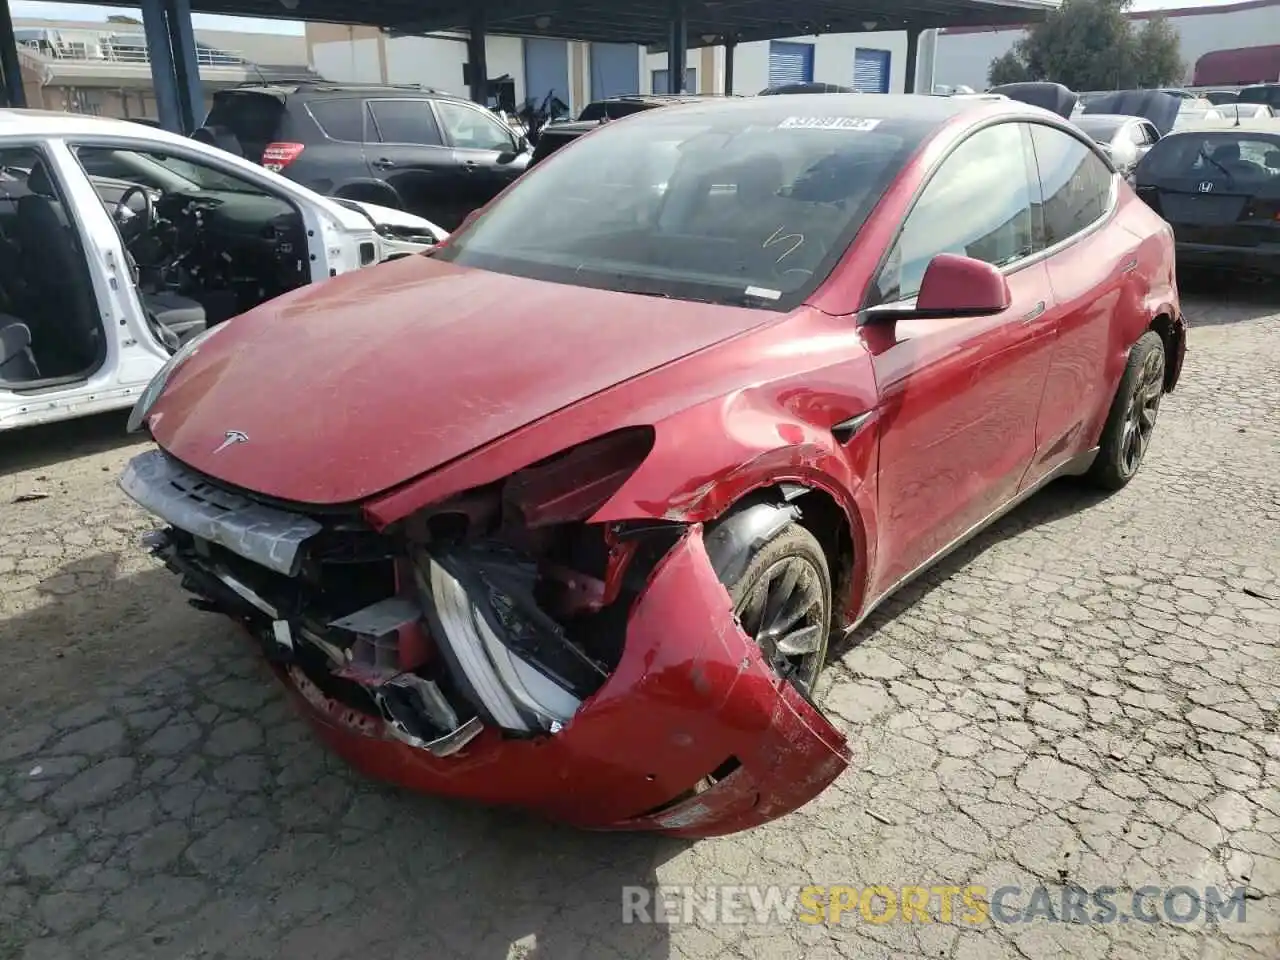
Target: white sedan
column 120, row 242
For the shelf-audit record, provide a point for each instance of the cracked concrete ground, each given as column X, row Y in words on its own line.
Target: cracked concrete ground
column 1088, row 693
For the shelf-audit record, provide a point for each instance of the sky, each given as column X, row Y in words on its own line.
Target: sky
column 78, row 11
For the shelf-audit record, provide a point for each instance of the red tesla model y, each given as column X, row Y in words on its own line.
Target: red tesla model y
column 564, row 513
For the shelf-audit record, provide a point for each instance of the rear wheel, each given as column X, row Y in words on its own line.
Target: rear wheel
column 1132, row 419
column 783, row 601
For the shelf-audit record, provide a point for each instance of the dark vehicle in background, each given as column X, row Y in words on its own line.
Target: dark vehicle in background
column 795, row 88
column 1125, row 140
column 1053, row 97
column 1218, row 186
column 1268, row 93
column 1219, row 97
column 556, row 135
column 413, row 149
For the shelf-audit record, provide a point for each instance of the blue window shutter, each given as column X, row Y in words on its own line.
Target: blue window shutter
column 790, row 63
column 871, row 70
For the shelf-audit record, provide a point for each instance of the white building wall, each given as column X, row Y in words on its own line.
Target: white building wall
column 349, row 61
column 964, row 58
column 832, row 62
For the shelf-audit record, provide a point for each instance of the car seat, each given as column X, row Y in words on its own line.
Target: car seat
column 64, row 308
column 17, row 363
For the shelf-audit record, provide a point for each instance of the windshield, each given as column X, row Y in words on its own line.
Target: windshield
column 731, row 203
column 1261, row 94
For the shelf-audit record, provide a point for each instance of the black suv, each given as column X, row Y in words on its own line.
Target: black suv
column 418, row 150
column 555, row 135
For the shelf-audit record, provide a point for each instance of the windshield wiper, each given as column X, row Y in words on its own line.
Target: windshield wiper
column 1230, row 177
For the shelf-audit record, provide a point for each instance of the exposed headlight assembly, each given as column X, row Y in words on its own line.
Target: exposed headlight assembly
column 151, row 394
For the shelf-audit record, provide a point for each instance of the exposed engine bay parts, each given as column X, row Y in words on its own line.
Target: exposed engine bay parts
column 497, row 647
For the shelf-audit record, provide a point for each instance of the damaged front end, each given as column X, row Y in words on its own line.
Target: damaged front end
column 500, row 647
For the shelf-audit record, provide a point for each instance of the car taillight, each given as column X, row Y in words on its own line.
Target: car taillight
column 277, row 156
column 1256, row 210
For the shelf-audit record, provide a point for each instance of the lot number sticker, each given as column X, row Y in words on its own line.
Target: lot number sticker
column 829, row 123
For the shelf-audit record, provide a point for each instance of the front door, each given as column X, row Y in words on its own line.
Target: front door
column 486, row 152
column 408, row 153
column 959, row 397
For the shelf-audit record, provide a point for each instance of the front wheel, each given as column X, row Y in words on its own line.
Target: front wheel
column 783, row 601
column 1132, row 419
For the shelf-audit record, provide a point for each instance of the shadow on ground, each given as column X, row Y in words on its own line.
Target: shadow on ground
column 1060, row 499
column 1212, row 298
column 31, row 448
column 159, row 798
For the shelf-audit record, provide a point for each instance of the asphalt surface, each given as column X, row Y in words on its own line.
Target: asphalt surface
column 1087, row 695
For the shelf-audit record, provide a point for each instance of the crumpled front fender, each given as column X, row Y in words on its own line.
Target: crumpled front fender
column 690, row 696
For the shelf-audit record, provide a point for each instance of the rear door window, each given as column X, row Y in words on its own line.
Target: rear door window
column 253, row 118
column 1075, row 185
column 405, row 121
column 339, row 119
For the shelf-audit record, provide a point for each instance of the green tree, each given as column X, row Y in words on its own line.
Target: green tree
column 1092, row 45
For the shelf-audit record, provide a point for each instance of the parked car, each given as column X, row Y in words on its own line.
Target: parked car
column 1218, row 185
column 1243, row 111
column 1053, row 97
column 119, row 241
column 554, row 136
column 1125, row 140
column 429, row 153
column 1268, row 93
column 1126, row 123
column 1218, row 97
column 572, row 527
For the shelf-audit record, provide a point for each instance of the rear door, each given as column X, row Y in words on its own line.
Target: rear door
column 1216, row 188
column 408, row 151
column 483, row 148
column 1093, row 268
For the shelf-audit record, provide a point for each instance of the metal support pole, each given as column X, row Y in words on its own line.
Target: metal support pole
column 186, row 65
column 729, row 48
column 913, row 55
column 677, row 47
column 477, row 59
column 927, row 67
column 14, row 94
column 165, row 81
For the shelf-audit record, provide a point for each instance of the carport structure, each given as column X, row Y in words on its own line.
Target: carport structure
column 675, row 26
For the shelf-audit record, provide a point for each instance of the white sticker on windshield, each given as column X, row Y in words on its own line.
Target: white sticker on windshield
column 861, row 124
column 764, row 293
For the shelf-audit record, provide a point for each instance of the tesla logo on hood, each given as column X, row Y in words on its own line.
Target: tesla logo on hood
column 230, row 439
column 1206, row 187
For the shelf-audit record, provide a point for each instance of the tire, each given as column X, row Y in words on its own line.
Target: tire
column 1132, row 419
column 792, row 554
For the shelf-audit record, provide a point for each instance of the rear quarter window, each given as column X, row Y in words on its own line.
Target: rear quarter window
column 339, row 119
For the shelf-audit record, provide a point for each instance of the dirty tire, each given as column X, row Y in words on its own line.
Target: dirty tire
column 787, row 576
column 1132, row 419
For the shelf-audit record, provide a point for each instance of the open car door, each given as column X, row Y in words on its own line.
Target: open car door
column 1155, row 105
column 1048, row 96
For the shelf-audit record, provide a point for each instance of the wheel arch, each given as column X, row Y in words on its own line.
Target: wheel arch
column 760, row 514
column 1173, row 334
column 370, row 191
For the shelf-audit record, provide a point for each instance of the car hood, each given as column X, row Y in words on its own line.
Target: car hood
column 347, row 388
column 1153, row 105
column 1048, row 96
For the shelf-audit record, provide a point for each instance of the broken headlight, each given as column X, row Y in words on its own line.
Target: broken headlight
column 149, row 396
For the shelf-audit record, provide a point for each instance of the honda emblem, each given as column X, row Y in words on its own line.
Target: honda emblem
column 1206, row 187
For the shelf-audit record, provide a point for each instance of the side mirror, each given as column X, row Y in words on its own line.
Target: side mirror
column 953, row 286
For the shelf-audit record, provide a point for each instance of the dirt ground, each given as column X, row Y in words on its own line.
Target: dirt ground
column 1089, row 693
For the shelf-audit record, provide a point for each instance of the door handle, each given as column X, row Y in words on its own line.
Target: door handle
column 1035, row 313
column 382, row 163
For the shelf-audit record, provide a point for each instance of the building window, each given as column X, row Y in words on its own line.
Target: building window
column 871, row 70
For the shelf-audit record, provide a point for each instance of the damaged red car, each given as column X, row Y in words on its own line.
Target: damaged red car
column 565, row 513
